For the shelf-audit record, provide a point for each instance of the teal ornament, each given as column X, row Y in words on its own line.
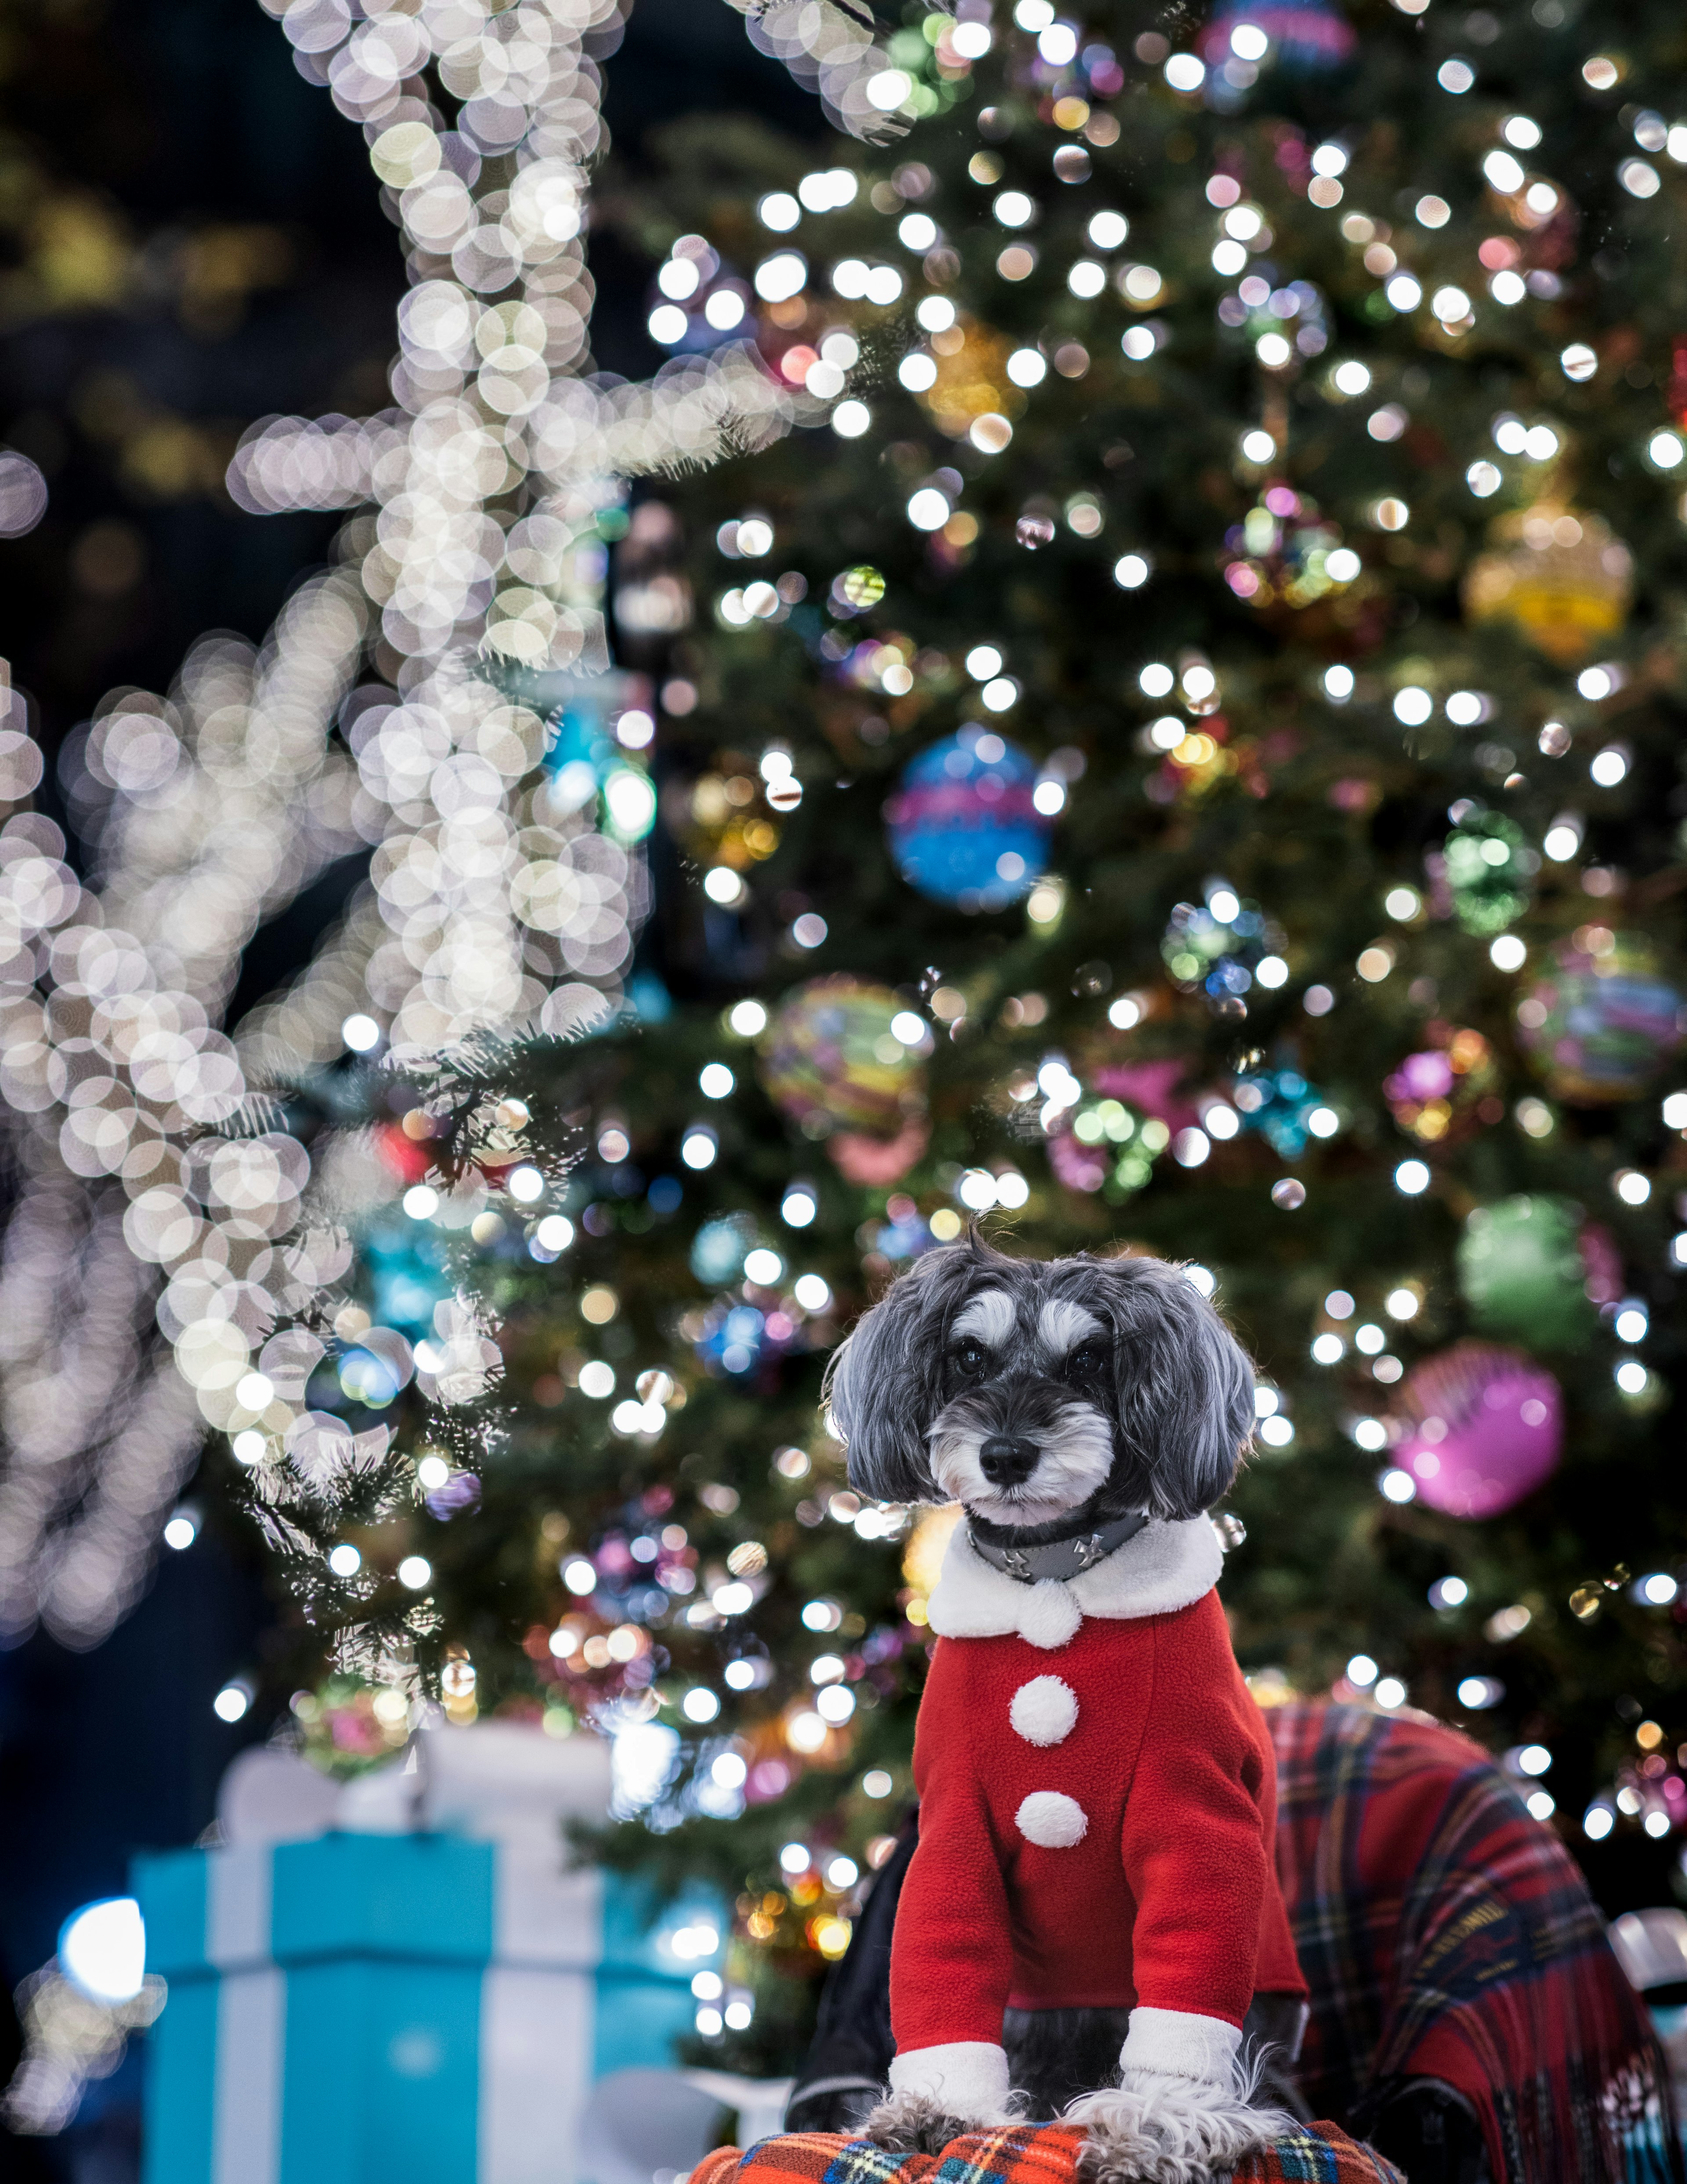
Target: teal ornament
column 1278, row 1104
column 719, row 1248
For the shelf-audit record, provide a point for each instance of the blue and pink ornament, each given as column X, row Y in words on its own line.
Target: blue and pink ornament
column 963, row 824
column 1486, row 1427
column 1604, row 1020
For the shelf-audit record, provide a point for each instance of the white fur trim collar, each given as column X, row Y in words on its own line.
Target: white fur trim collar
column 1165, row 1567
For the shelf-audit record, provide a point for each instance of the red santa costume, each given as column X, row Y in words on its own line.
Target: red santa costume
column 1097, row 1812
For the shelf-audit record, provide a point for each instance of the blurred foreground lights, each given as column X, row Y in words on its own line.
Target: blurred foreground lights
column 809, row 930
column 1563, row 839
column 701, row 1704
column 1533, row 1759
column 1276, row 1431
column 748, row 1019
column 1608, row 767
column 1398, row 1486
column 102, row 1950
column 231, row 1703
column 849, row 420
column 714, row 1080
column 1632, row 1377
column 1476, row 1694
column 1658, row 1589
column 554, row 1234
column 763, row 1267
column 1390, row 1691
column 254, row 1391
column 525, row 1184
column 1338, row 685
column 738, row 1676
column 182, row 1531
column 421, row 1202
column 1258, row 446
column 794, row 1859
column 1631, row 1324
column 1507, row 952
column 928, row 510
column 415, row 1572
column 580, row 1576
column 1402, row 1304
column 1631, row 1186
column 1125, row 1011
column 1449, row 1592
column 1362, row 1672
column 842, row 1873
column 1413, row 1177
column 812, row 1292
column 1597, row 1822
column 729, row 1770
column 984, row 664
column 1541, row 1805
column 835, row 1704
column 344, row 1560
column 361, row 1033
column 249, row 1448
column 1323, row 1122
column 698, row 1146
column 432, row 1473
column 799, row 1205
column 1328, row 1350
column 23, row 495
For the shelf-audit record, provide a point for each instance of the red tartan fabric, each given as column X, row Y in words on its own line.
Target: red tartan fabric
column 1020, row 2154
column 1445, row 1934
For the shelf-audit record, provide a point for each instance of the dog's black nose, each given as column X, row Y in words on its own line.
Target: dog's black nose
column 1006, row 1462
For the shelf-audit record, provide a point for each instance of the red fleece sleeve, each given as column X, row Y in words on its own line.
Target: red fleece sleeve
column 1194, row 1848
column 951, row 1954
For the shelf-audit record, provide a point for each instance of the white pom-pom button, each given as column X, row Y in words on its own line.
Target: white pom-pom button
column 1051, row 1820
column 1044, row 1710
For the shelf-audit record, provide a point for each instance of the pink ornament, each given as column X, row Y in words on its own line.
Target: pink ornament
column 1487, row 1426
column 1078, row 1166
column 1150, row 1087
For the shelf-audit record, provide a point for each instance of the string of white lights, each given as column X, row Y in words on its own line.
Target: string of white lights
column 495, row 897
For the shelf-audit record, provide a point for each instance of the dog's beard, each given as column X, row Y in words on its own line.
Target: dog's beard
column 1077, row 1459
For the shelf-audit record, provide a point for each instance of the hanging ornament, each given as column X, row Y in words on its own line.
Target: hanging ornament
column 1430, row 1089
column 964, row 825
column 1483, row 1427
column 1282, row 554
column 830, row 1062
column 1487, row 867
column 1601, row 1024
column 719, row 1248
column 1280, row 1105
column 1565, row 580
column 1217, row 946
column 1531, row 1268
column 1308, row 36
column 1106, row 1146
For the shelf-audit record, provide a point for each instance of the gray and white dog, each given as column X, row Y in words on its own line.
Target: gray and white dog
column 1066, row 1404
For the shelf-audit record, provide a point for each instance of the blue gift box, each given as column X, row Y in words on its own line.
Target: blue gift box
column 363, row 2009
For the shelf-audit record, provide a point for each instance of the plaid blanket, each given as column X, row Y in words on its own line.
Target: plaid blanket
column 1445, row 1934
column 1020, row 2153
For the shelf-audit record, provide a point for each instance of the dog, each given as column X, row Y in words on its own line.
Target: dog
column 1091, row 1920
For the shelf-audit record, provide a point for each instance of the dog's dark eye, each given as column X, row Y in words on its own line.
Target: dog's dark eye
column 1084, row 1362
column 970, row 1357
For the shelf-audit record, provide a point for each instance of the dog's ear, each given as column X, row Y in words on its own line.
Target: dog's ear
column 1185, row 1385
column 884, row 1384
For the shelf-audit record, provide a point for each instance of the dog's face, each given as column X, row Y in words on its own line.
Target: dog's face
column 1041, row 1392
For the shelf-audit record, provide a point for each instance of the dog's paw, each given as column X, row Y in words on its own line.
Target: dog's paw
column 1156, row 2129
column 910, row 2123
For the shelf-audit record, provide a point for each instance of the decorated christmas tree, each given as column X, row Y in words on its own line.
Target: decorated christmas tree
column 1177, row 753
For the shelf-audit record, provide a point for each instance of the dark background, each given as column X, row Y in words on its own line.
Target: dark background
column 191, row 238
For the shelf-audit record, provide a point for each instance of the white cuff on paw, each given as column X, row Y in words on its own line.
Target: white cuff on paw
column 966, row 2078
column 1176, row 2043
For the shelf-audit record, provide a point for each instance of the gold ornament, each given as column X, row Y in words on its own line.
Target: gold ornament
column 1565, row 579
column 971, row 380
